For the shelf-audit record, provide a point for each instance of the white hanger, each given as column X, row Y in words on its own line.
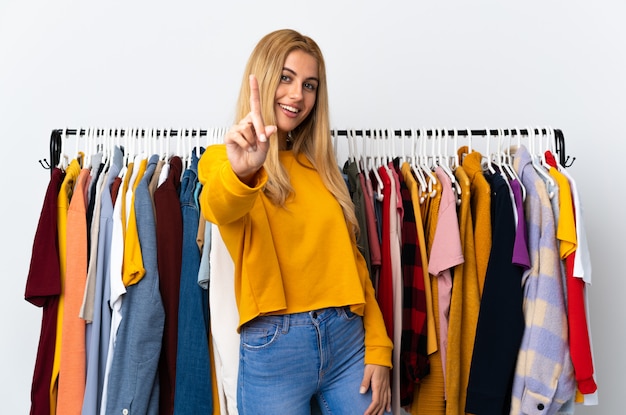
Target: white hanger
column 488, row 155
column 426, row 167
column 455, row 157
column 431, row 158
column 77, row 148
column 105, row 146
column 168, row 152
column 509, row 166
column 115, row 141
column 380, row 148
column 104, row 143
column 96, row 143
column 60, row 164
column 552, row 147
column 545, row 134
column 188, row 144
column 152, row 139
column 417, row 171
column 403, row 155
column 162, row 152
column 125, row 136
column 89, row 139
column 198, row 149
column 446, row 152
column 219, row 136
column 535, row 163
column 156, row 136
column 351, row 152
column 146, row 138
column 159, row 136
column 391, row 145
column 469, row 146
column 374, row 169
column 132, row 145
column 383, row 156
column 353, row 149
column 444, row 163
column 179, row 143
column 499, row 156
column 112, row 142
column 374, row 149
column 185, row 138
column 213, row 136
column 223, row 132
column 137, row 144
column 209, row 136
column 363, row 155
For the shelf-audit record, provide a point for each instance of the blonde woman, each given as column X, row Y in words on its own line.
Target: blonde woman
column 309, row 321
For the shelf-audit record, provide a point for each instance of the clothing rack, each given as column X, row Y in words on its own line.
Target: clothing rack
column 559, row 138
column 57, row 135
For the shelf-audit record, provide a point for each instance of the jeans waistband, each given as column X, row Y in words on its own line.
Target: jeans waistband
column 304, row 318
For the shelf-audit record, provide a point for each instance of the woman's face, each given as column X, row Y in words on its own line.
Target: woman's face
column 296, row 92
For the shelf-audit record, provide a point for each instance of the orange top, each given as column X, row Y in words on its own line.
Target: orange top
column 72, row 365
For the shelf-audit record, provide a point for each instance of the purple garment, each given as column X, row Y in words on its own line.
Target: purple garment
column 520, row 249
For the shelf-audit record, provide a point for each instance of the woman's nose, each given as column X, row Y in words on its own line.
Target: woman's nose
column 295, row 91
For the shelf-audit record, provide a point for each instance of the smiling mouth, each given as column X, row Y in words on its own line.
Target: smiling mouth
column 289, row 108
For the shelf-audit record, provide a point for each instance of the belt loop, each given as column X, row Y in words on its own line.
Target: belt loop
column 285, row 323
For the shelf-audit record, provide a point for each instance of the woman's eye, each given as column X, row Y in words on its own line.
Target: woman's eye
column 284, row 78
column 309, row 86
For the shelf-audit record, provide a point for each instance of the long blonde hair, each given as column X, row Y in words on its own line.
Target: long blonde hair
column 311, row 138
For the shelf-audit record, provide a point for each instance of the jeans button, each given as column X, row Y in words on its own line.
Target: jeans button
column 314, row 314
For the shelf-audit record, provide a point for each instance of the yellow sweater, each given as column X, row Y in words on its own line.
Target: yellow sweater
column 290, row 259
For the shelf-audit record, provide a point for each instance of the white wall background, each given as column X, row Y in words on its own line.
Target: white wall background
column 452, row 64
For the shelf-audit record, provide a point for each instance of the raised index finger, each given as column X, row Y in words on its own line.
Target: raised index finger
column 255, row 109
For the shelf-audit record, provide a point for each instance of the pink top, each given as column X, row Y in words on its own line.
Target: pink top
column 446, row 252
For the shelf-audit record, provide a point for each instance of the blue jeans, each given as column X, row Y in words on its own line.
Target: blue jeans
column 287, row 360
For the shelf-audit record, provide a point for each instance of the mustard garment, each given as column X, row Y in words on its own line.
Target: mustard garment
column 464, row 307
column 132, row 268
column 428, row 398
column 431, row 335
column 481, row 211
column 290, row 259
column 63, row 204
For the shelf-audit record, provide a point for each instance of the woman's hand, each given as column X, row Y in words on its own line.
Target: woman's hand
column 247, row 142
column 377, row 378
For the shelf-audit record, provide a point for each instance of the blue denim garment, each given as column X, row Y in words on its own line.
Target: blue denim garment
column 286, row 360
column 98, row 331
column 133, row 379
column 193, row 390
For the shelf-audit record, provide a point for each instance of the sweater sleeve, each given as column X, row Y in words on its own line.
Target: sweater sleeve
column 378, row 346
column 230, row 199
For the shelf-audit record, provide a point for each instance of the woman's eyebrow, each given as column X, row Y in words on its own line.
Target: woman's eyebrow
column 311, row 78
